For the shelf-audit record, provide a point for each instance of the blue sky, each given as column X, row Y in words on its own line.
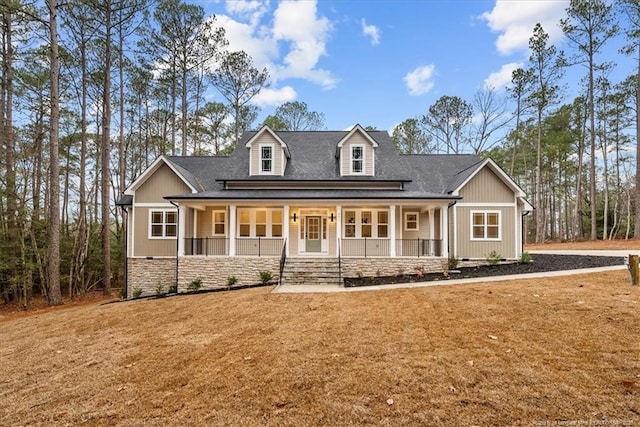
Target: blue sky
column 380, row 62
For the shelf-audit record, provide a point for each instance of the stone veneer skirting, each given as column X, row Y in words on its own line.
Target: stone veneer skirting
column 148, row 274
column 214, row 271
column 370, row 267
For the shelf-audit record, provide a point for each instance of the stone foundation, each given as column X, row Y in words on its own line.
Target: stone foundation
column 214, row 271
column 371, row 267
column 149, row 274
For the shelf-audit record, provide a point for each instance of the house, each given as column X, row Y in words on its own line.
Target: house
column 314, row 207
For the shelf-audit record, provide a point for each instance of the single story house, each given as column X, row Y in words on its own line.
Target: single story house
column 315, row 207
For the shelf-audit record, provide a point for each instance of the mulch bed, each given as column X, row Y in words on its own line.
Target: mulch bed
column 540, row 263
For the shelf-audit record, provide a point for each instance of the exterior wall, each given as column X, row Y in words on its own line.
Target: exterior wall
column 486, row 186
column 215, row 271
column 143, row 246
column 468, row 248
column 205, row 221
column 163, row 182
column 354, row 267
column 148, row 274
column 266, row 138
column 369, row 154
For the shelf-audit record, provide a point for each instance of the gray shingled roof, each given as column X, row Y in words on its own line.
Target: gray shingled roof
column 313, row 159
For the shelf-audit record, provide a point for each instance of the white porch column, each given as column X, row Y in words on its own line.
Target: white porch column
column 285, row 228
column 182, row 228
column 232, row 230
column 444, row 230
column 432, row 229
column 338, row 227
column 392, row 230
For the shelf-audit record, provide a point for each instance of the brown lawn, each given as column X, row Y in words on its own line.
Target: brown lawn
column 587, row 245
column 510, row 353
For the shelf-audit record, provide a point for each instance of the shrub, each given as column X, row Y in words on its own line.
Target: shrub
column 195, row 285
column 494, row 258
column 231, row 280
column 265, row 277
column 525, row 258
column 173, row 289
column 121, row 294
column 137, row 292
column 453, row 263
column 160, row 289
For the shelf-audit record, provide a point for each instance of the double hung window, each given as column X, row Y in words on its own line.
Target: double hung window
column 366, row 223
column 163, row 224
column 485, row 225
column 266, row 159
column 357, row 159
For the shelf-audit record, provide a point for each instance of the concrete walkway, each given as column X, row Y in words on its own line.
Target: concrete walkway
column 300, row 289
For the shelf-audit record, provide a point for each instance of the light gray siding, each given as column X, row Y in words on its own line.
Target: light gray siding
column 345, row 155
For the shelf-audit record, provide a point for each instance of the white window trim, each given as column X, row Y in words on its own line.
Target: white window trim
column 485, row 239
column 268, row 223
column 213, row 223
column 351, row 159
column 260, row 159
column 358, row 223
column 164, row 224
column 404, row 222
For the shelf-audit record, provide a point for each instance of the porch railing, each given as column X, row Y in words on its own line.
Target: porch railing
column 206, row 246
column 259, row 246
column 283, row 260
column 370, row 247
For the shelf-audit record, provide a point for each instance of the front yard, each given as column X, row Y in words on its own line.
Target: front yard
column 511, row 353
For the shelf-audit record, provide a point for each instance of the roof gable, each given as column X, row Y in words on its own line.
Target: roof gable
column 497, row 170
column 162, row 160
column 267, row 129
column 356, row 128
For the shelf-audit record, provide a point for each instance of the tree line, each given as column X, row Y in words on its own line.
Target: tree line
column 92, row 91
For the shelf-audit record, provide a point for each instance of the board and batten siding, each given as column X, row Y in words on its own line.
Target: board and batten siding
column 486, row 191
column 161, row 183
column 486, row 186
column 267, row 139
column 345, row 156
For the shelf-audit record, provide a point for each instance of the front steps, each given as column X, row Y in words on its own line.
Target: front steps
column 311, row 271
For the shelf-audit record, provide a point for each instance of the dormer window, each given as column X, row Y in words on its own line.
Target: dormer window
column 357, row 159
column 266, row 159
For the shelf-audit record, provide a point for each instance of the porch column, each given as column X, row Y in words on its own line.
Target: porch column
column 338, row 227
column 432, row 229
column 285, row 228
column 232, row 230
column 182, row 228
column 444, row 230
column 392, row 230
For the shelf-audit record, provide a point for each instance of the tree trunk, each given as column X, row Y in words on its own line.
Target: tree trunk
column 105, row 149
column 636, row 232
column 54, row 296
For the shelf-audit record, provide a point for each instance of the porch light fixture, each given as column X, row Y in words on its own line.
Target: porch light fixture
column 295, row 217
column 331, row 216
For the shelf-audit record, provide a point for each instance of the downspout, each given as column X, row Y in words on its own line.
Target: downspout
column 523, row 233
column 126, row 253
column 177, row 240
column 454, row 226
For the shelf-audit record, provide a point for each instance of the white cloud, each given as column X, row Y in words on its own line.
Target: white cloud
column 514, row 20
column 372, row 32
column 290, row 45
column 274, row 97
column 420, row 80
column 500, row 79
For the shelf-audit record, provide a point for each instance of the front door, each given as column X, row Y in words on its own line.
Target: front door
column 312, row 238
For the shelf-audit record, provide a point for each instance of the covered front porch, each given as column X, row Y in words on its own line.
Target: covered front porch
column 377, row 229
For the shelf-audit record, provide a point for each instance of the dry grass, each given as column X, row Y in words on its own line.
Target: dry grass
column 587, row 245
column 509, row 353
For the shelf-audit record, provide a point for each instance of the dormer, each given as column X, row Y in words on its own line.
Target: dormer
column 268, row 153
column 356, row 153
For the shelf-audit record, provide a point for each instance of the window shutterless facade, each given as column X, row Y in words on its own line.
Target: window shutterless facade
column 163, row 223
column 219, row 223
column 366, row 223
column 357, row 159
column 266, row 159
column 411, row 221
column 260, row 222
column 486, row 225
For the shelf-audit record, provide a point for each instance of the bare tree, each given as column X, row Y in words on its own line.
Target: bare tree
column 491, row 117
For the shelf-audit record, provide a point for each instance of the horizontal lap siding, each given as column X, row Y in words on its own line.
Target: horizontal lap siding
column 255, row 154
column 345, row 156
